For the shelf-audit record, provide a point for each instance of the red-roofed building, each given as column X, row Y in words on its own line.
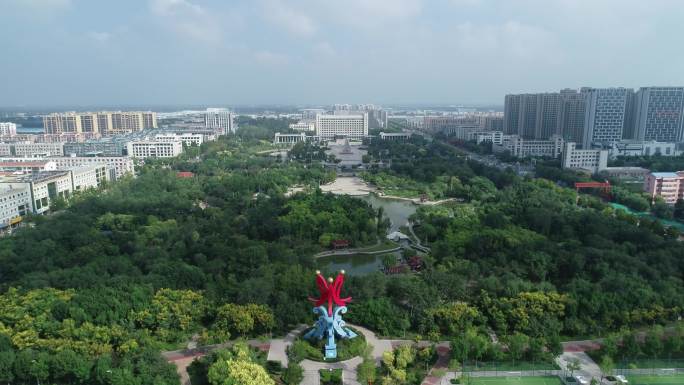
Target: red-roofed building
column 339, row 243
column 185, row 174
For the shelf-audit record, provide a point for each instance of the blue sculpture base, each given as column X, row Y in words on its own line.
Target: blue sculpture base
column 328, row 326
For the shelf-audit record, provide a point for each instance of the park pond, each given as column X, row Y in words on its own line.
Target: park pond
column 398, row 212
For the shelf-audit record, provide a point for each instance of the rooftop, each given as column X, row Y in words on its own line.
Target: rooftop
column 36, row 177
column 665, row 174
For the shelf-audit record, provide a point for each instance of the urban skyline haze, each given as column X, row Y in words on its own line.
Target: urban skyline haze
column 78, row 52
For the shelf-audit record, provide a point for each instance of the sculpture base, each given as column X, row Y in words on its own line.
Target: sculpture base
column 330, row 352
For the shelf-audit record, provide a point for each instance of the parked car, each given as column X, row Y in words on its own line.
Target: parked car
column 581, row 380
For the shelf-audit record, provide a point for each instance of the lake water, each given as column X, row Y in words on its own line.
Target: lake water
column 398, row 212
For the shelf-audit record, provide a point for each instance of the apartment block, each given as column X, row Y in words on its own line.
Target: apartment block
column 105, row 123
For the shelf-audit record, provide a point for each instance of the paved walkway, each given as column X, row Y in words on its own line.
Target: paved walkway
column 278, row 348
column 588, row 368
column 313, row 377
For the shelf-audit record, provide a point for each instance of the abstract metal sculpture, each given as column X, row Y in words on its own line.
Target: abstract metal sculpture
column 330, row 320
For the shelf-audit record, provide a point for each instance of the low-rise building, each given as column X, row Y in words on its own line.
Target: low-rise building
column 395, row 135
column 187, row 138
column 522, row 148
column 23, row 166
column 639, row 148
column 305, row 126
column 117, row 166
column 154, row 149
column 494, row 137
column 635, row 173
column 590, row 160
column 289, row 138
column 667, row 185
column 31, row 150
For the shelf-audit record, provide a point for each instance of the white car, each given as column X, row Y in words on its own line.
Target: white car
column 581, row 380
column 621, row 380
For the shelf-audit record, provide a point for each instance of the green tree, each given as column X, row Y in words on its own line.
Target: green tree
column 293, row 374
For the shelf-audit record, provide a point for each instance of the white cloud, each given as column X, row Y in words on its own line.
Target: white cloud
column 324, row 49
column 187, row 19
column 99, row 37
column 293, row 21
column 269, row 58
column 43, row 5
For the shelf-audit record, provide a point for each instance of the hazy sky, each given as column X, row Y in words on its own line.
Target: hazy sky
column 85, row 52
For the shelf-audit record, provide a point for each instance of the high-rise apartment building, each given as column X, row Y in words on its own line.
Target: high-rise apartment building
column 659, row 114
column 68, row 122
column 220, row 120
column 511, row 114
column 8, row 129
column 548, row 105
column 607, row 115
column 104, row 122
column 350, row 126
column 571, row 114
column 532, row 116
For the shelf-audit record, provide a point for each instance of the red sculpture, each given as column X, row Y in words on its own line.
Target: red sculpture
column 330, row 292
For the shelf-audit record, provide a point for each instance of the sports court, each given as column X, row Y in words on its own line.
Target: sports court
column 513, row 380
column 663, row 379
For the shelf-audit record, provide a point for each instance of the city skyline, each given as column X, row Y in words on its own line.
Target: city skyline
column 61, row 52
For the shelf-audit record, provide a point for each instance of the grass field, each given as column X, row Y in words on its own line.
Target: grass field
column 515, row 381
column 677, row 379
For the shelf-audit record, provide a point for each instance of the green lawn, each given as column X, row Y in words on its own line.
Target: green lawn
column 677, row 379
column 550, row 380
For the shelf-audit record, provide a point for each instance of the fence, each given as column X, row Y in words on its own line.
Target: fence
column 504, row 369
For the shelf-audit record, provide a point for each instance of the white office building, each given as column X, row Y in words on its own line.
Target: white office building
column 89, row 176
column 44, row 187
column 8, row 129
column 15, row 203
column 349, row 126
column 220, row 120
column 154, row 149
column 591, row 160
